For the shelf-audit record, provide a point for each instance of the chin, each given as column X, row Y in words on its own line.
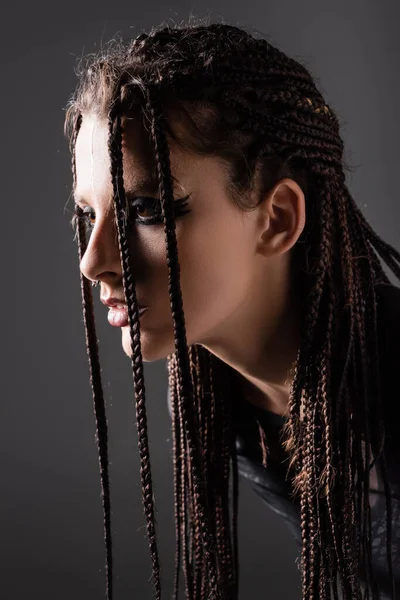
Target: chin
column 152, row 349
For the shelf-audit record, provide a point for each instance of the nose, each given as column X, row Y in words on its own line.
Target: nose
column 101, row 258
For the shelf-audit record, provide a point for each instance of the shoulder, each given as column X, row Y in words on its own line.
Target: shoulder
column 388, row 298
column 388, row 313
column 388, row 321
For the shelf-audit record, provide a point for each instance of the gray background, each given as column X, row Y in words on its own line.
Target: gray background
column 50, row 507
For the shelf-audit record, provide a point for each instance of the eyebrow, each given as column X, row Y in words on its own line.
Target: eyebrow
column 146, row 185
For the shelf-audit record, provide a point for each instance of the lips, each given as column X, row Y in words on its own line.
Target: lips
column 118, row 317
column 118, row 303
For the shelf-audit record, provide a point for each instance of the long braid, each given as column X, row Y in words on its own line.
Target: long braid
column 95, row 381
column 235, row 510
column 310, row 155
column 268, row 107
column 348, row 568
column 366, row 366
column 201, row 583
column 329, row 401
column 185, row 385
column 321, row 398
column 367, row 233
column 177, row 465
column 226, row 444
column 218, row 481
column 197, row 543
column 115, row 151
column 186, row 499
column 321, row 377
column 350, row 250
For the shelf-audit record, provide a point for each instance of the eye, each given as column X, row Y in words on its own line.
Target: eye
column 144, row 205
column 140, row 206
column 89, row 215
column 84, row 215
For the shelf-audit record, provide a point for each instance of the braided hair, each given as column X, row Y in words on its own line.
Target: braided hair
column 245, row 101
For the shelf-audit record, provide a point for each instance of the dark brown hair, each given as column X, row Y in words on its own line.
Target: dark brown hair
column 243, row 100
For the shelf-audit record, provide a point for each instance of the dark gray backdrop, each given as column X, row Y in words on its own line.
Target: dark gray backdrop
column 50, row 507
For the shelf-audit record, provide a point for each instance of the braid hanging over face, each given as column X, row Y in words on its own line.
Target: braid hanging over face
column 250, row 104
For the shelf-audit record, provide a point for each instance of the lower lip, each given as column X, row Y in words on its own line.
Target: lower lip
column 118, row 317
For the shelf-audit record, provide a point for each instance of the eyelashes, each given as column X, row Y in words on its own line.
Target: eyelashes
column 142, row 203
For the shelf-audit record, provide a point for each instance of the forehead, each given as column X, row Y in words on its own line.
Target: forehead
column 93, row 165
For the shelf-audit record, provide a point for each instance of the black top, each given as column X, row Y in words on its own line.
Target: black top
column 270, row 481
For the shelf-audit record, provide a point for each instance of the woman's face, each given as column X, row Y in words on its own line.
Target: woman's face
column 220, row 261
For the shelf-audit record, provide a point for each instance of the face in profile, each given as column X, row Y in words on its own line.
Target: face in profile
column 219, row 269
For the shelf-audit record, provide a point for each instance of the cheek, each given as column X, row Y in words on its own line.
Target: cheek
column 148, row 251
column 215, row 273
column 215, row 270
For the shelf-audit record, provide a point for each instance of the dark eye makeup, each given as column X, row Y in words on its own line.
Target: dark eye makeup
column 140, row 204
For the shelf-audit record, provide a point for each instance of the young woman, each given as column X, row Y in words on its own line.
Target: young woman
column 209, row 187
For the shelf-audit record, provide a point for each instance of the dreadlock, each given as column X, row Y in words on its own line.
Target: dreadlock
column 243, row 100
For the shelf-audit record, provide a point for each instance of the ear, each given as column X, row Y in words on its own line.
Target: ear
column 282, row 217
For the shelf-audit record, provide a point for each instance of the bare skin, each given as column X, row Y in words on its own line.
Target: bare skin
column 237, row 295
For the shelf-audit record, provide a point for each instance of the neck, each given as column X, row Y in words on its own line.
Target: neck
column 263, row 350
